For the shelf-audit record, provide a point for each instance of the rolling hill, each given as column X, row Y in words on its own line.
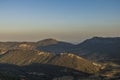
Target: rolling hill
column 26, row 57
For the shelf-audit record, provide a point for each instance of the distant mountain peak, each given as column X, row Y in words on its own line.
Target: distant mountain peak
column 48, row 41
column 105, row 37
column 102, row 40
column 96, row 37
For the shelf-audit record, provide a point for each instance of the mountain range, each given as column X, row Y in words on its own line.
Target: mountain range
column 96, row 48
column 50, row 59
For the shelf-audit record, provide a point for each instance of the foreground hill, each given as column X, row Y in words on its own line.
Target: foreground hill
column 43, row 72
column 25, row 57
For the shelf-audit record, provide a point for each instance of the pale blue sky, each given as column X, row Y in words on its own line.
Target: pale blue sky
column 69, row 20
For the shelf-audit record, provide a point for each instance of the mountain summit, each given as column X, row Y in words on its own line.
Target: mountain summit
column 46, row 42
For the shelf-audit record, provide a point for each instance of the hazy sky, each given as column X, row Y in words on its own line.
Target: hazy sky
column 69, row 20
